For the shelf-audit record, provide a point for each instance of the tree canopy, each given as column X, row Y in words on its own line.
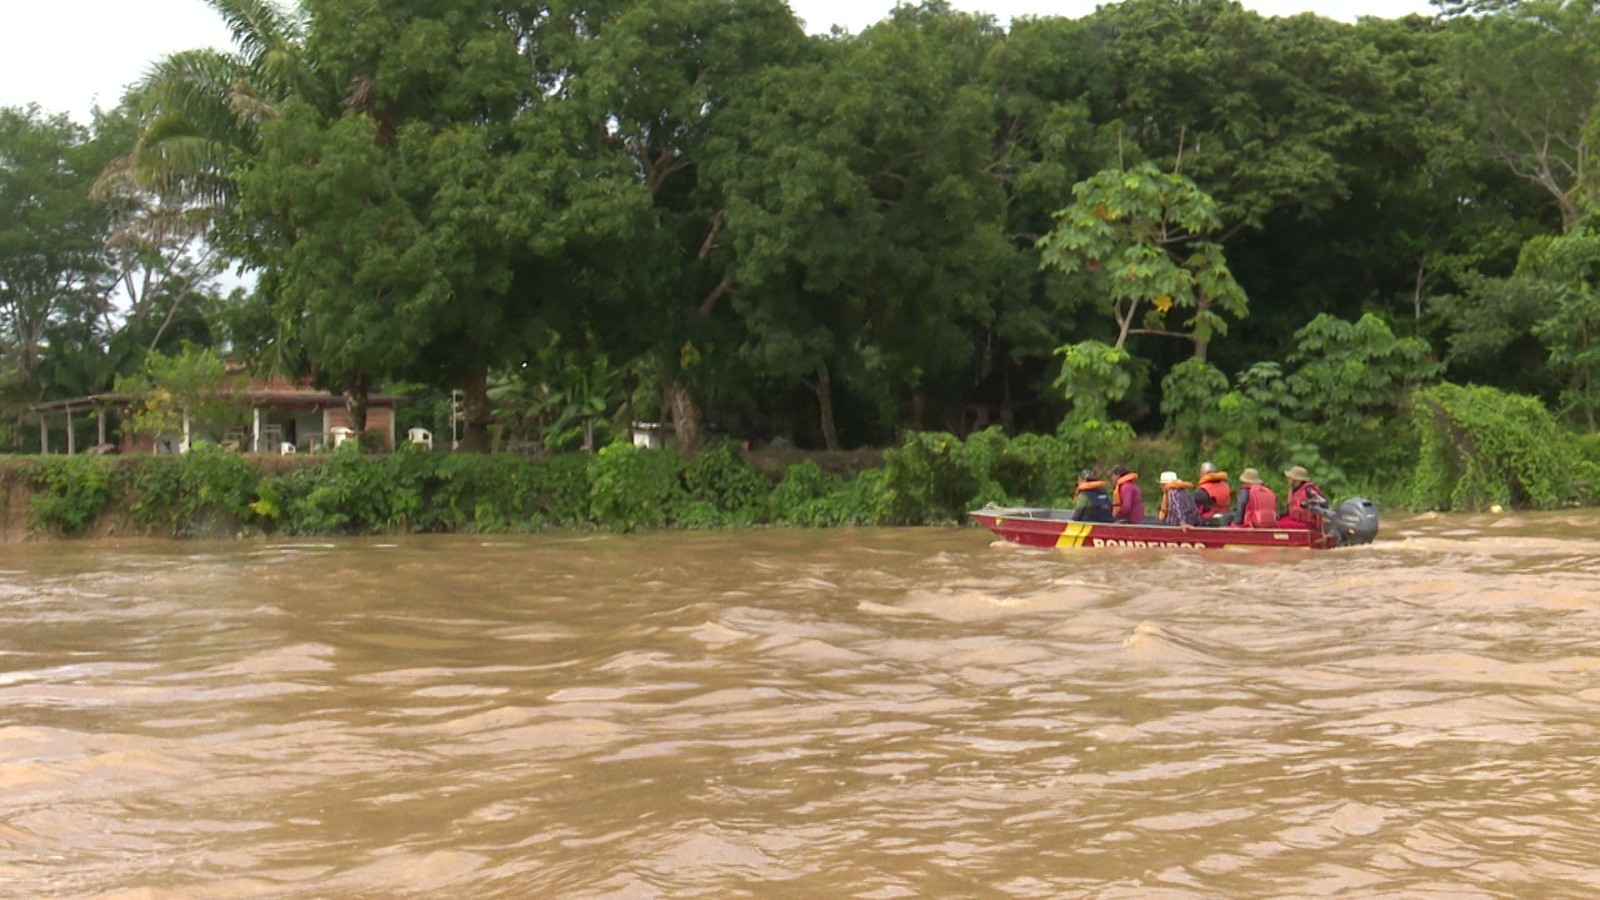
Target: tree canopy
column 935, row 223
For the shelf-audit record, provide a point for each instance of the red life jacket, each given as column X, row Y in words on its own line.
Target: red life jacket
column 1297, row 503
column 1260, row 506
column 1216, row 486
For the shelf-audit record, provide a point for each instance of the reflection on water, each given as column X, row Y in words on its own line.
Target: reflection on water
column 886, row 713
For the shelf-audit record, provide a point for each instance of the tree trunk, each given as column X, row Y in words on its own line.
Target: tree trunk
column 477, row 411
column 824, row 391
column 357, row 390
column 685, row 415
column 1007, row 415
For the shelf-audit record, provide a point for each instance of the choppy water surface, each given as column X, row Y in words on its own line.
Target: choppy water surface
column 870, row 713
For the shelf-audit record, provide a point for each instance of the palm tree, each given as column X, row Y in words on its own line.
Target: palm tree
column 200, row 117
column 203, row 109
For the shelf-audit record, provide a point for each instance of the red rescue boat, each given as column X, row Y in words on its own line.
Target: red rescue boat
column 1354, row 522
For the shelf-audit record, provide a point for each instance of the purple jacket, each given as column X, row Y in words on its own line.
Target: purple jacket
column 1130, row 502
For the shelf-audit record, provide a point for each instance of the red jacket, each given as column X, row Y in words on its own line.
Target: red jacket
column 1297, row 503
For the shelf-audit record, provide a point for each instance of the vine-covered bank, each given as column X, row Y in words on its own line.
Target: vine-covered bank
column 1476, row 447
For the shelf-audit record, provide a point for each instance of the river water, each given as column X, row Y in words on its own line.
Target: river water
column 871, row 713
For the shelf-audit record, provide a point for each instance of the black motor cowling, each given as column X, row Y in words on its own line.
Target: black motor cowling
column 1352, row 523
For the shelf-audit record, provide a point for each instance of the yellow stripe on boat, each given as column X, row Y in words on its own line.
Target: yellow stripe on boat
column 1074, row 534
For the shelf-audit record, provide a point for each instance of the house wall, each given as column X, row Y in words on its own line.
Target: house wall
column 379, row 419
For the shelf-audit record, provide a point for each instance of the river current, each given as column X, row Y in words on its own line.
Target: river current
column 866, row 713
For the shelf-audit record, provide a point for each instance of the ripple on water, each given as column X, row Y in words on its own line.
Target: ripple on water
column 856, row 713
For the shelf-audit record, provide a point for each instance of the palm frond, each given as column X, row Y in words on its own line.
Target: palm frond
column 257, row 26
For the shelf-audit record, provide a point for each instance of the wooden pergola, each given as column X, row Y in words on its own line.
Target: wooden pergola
column 69, row 407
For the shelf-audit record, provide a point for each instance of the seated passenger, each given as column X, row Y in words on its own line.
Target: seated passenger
column 1093, row 504
column 1213, row 496
column 1304, row 499
column 1177, row 503
column 1127, row 501
column 1257, row 506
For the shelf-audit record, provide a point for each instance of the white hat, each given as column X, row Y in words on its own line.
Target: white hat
column 1168, row 476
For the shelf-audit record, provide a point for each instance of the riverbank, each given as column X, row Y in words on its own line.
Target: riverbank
column 212, row 493
column 930, row 479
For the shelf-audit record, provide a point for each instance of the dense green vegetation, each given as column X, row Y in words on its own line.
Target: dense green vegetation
column 1264, row 240
column 1479, row 446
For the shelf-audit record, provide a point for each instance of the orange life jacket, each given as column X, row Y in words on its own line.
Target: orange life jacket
column 1116, row 495
column 1166, row 491
column 1260, row 506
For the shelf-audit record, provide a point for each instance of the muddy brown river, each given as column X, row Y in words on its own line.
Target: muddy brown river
column 866, row 713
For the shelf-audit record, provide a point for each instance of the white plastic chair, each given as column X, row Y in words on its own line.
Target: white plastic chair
column 286, row 448
column 420, row 436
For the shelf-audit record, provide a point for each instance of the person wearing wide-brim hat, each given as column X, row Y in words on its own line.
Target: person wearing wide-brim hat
column 1255, row 506
column 1304, row 499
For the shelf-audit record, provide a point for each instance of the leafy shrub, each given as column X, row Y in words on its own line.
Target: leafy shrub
column 563, row 489
column 986, row 455
column 1093, row 442
column 1093, row 376
column 811, row 498
column 207, row 490
column 1480, row 446
column 1191, row 398
column 476, row 493
column 71, row 492
column 722, row 489
column 1040, row 468
column 1350, row 386
column 632, row 488
column 352, row 493
column 925, row 480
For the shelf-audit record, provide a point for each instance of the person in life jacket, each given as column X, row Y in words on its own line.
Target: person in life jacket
column 1177, row 501
column 1093, row 504
column 1304, row 499
column 1214, row 496
column 1127, row 501
column 1257, row 506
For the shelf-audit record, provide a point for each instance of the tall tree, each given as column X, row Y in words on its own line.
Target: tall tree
column 867, row 234
column 1532, row 78
column 443, row 179
column 52, row 235
column 652, row 79
column 353, row 274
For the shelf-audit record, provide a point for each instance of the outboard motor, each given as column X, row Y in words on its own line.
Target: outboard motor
column 1352, row 523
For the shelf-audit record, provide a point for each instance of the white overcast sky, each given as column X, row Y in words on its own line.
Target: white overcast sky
column 69, row 55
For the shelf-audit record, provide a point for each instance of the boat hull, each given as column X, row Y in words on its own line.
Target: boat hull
column 1036, row 527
